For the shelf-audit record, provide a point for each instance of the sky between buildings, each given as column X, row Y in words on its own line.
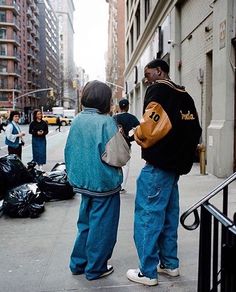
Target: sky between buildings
column 91, row 34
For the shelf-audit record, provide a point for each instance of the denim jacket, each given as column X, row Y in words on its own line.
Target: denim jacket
column 14, row 132
column 86, row 143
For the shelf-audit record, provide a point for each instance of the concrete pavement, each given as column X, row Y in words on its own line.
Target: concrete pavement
column 34, row 253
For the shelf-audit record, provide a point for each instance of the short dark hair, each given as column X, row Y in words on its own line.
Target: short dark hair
column 97, row 94
column 123, row 103
column 35, row 114
column 159, row 63
column 12, row 114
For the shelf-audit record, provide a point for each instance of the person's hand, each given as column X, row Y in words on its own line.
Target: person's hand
column 40, row 132
column 21, row 134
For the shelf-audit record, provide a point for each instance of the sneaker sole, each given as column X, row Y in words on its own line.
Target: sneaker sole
column 108, row 272
column 144, row 282
column 171, row 274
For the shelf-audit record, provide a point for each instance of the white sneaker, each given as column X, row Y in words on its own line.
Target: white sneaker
column 136, row 276
column 123, row 191
column 171, row 272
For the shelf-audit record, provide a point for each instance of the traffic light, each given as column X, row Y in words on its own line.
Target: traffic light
column 51, row 94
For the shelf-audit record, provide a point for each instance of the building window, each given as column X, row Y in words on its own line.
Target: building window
column 146, row 9
column 127, row 10
column 2, row 16
column 3, row 82
column 3, row 96
column 127, row 51
column 137, row 18
column 3, row 66
column 3, row 33
column 3, row 49
column 132, row 39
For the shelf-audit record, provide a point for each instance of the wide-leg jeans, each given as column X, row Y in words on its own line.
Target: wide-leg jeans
column 97, row 233
column 156, row 219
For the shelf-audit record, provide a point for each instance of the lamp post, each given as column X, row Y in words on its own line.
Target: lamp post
column 116, row 85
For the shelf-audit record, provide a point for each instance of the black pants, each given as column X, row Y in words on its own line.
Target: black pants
column 17, row 151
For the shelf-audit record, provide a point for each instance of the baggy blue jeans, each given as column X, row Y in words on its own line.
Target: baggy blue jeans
column 97, row 233
column 156, row 219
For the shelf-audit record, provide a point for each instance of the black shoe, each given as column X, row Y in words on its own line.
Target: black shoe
column 77, row 273
column 109, row 270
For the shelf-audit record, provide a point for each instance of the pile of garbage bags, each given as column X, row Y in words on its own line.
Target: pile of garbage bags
column 25, row 190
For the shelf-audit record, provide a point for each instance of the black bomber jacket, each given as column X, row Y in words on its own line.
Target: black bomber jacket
column 176, row 150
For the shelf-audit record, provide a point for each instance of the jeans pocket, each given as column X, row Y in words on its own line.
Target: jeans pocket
column 155, row 195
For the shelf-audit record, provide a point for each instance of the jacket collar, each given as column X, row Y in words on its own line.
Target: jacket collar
column 91, row 110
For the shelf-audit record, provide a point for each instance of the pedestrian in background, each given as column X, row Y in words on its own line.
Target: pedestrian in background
column 93, row 169
column 14, row 135
column 168, row 134
column 58, row 121
column 126, row 122
column 38, row 129
column 1, row 125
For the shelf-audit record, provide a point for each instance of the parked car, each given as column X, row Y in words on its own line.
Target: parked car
column 51, row 119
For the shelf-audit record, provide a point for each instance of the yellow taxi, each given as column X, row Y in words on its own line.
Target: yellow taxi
column 51, row 119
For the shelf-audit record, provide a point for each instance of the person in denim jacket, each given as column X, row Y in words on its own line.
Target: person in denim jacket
column 92, row 132
column 14, row 135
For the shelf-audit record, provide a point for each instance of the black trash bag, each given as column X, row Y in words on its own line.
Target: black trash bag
column 55, row 186
column 13, row 172
column 3, row 187
column 24, row 201
column 60, row 166
column 34, row 173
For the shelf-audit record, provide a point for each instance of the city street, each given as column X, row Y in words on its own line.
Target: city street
column 35, row 252
column 52, row 137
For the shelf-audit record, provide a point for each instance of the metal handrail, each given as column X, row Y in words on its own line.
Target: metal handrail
column 220, row 217
column 193, row 208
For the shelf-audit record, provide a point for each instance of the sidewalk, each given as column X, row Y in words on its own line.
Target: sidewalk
column 35, row 252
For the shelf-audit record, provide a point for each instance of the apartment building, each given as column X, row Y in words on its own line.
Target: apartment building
column 49, row 56
column 64, row 10
column 19, row 54
column 10, row 73
column 115, row 62
column 197, row 38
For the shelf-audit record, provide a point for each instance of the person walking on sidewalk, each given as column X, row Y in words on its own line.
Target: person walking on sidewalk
column 14, row 135
column 94, row 170
column 38, row 129
column 58, row 121
column 126, row 122
column 168, row 134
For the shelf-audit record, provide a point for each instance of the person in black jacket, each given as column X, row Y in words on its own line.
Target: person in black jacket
column 126, row 122
column 38, row 129
column 168, row 134
column 58, row 121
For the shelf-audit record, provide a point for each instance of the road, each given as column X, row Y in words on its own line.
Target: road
column 55, row 145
